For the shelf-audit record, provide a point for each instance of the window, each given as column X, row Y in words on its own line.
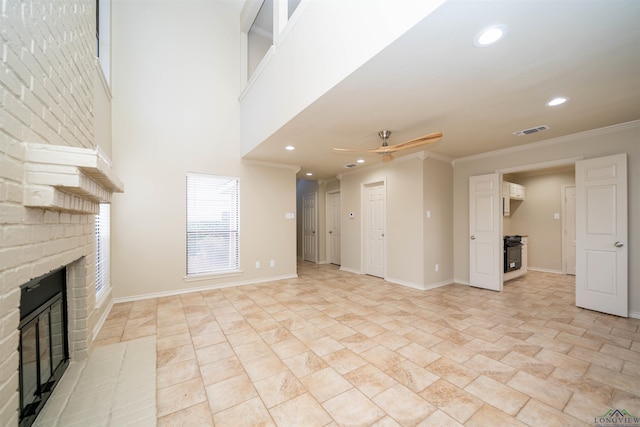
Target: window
column 103, row 36
column 260, row 36
column 213, row 218
column 103, row 248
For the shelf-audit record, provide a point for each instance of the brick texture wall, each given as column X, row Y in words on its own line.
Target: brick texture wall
column 46, row 96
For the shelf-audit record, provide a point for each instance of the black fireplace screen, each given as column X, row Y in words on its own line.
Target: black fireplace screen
column 44, row 353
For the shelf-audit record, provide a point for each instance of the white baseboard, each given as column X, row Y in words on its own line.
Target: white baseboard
column 102, row 319
column 202, row 288
column 350, row 270
column 544, row 270
column 417, row 285
column 634, row 314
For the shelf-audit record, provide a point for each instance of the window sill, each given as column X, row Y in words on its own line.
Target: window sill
column 208, row 276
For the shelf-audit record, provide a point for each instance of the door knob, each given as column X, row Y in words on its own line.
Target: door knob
column 618, row 244
column 330, row 232
column 382, row 234
column 473, row 237
column 313, row 231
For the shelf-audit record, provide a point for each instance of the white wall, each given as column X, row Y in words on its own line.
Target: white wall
column 535, row 217
column 617, row 139
column 297, row 74
column 414, row 243
column 176, row 74
column 438, row 229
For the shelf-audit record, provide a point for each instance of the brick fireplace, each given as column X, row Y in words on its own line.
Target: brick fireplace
column 53, row 175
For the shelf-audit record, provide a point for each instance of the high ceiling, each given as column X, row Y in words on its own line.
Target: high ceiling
column 434, row 78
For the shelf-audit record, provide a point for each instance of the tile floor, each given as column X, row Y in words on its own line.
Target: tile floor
column 334, row 348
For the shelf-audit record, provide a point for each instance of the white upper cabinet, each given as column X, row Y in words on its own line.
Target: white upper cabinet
column 513, row 191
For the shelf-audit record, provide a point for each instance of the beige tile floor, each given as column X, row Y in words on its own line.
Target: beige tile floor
column 335, row 348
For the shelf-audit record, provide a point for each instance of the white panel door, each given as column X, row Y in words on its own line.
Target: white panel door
column 569, row 230
column 309, row 240
column 333, row 227
column 601, row 235
column 485, row 246
column 375, row 226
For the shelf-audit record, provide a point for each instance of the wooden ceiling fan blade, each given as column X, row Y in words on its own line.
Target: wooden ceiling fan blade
column 426, row 139
column 356, row 150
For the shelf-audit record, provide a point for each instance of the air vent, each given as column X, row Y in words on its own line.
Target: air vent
column 531, row 130
column 350, row 165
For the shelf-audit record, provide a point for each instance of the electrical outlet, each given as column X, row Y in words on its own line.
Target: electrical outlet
column 272, row 263
column 437, row 267
column 257, row 264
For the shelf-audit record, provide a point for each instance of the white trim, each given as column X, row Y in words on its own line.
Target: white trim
column 634, row 314
column 545, row 270
column 553, row 141
column 294, row 168
column 203, row 288
column 350, row 270
column 542, row 165
column 261, row 66
column 209, row 276
column 103, row 79
column 419, row 286
column 98, row 327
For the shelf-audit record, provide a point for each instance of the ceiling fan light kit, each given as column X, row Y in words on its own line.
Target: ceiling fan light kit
column 386, row 150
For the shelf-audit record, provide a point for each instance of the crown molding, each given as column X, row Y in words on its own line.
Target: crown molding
column 548, row 142
column 294, row 168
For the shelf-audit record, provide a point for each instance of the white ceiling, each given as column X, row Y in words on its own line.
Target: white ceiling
column 434, row 79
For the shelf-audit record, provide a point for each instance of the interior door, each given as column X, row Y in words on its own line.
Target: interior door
column 375, row 227
column 601, row 235
column 333, row 227
column 569, row 230
column 309, row 227
column 485, row 245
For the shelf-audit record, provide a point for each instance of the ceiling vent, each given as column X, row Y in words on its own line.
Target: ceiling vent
column 531, row 130
column 350, row 165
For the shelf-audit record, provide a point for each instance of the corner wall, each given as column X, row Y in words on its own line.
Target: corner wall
column 176, row 110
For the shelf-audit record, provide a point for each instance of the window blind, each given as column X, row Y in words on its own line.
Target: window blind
column 213, row 218
column 103, row 247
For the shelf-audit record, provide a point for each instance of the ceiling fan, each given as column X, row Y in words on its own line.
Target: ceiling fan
column 387, row 150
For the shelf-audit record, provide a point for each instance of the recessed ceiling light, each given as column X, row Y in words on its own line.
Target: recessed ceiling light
column 289, row 148
column 557, row 101
column 490, row 35
column 360, row 160
column 309, row 174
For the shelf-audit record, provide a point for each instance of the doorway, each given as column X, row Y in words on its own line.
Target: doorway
column 333, row 228
column 309, row 227
column 374, row 212
column 601, row 233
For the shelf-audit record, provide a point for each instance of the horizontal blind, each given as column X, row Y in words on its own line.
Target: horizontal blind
column 103, row 247
column 212, row 224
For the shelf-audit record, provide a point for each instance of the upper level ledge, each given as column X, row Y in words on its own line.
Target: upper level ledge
column 68, row 178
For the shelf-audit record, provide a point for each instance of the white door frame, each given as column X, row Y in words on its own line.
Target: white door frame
column 364, row 223
column 315, row 226
column 328, row 197
column 523, row 168
column 566, row 226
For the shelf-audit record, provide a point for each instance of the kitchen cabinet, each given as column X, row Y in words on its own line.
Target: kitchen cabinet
column 513, row 191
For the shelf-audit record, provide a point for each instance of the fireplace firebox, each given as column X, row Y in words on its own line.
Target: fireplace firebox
column 44, row 346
